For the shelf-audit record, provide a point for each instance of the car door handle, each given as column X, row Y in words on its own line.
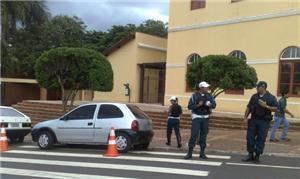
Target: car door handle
column 90, row 123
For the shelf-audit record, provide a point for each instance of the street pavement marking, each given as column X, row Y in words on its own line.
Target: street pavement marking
column 266, row 166
column 179, row 154
column 164, row 170
column 29, row 147
column 56, row 175
column 151, row 159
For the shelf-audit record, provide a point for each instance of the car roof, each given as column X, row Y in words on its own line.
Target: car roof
column 99, row 103
column 6, row 107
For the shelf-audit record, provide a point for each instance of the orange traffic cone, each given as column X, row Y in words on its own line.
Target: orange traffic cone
column 3, row 140
column 112, row 147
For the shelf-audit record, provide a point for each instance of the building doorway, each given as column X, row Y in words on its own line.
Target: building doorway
column 152, row 85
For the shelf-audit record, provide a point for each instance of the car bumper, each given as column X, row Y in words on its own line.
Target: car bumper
column 141, row 137
column 18, row 132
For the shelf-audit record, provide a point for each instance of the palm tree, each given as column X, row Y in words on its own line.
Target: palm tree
column 21, row 14
column 16, row 15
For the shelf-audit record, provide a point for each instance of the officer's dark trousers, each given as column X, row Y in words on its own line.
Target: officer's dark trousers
column 199, row 126
column 173, row 123
column 256, row 135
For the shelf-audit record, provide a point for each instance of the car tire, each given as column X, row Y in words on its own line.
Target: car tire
column 20, row 139
column 45, row 140
column 142, row 146
column 12, row 139
column 123, row 142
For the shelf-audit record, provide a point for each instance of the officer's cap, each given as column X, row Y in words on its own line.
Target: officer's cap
column 262, row 84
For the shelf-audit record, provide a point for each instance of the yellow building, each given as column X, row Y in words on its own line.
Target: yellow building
column 264, row 33
column 138, row 60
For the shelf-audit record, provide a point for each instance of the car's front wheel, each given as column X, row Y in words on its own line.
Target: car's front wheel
column 123, row 142
column 45, row 140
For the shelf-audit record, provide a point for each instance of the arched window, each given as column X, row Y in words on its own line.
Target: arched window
column 239, row 54
column 289, row 71
column 191, row 58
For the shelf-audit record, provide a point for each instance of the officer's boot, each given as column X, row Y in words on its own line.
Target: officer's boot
column 256, row 158
column 189, row 155
column 249, row 157
column 168, row 139
column 202, row 153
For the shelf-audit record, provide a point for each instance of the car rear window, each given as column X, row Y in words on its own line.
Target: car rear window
column 10, row 113
column 109, row 111
column 138, row 113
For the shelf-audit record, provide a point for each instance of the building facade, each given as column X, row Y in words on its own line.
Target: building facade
column 138, row 61
column 264, row 33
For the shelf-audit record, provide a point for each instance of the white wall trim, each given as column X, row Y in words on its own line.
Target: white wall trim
column 226, row 99
column 18, row 80
column 147, row 46
column 250, row 62
column 262, row 61
column 175, row 65
column 278, row 14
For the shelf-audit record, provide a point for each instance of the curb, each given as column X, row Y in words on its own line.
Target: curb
column 173, row 149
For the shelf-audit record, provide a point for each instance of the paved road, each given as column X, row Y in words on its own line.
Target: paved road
column 27, row 161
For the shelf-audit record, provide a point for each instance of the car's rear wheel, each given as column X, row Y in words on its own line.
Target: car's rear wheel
column 45, row 140
column 123, row 142
column 142, row 146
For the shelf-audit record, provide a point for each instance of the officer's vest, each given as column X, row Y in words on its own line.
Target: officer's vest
column 258, row 111
column 203, row 110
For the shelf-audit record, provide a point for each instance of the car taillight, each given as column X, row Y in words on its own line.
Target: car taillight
column 135, row 126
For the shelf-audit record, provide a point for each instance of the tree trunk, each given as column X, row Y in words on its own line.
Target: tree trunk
column 74, row 93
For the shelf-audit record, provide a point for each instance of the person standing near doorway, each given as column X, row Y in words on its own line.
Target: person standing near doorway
column 174, row 112
column 280, row 118
column 201, row 103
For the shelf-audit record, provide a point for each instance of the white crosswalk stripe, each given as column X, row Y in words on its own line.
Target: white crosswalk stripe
column 71, row 159
column 108, row 166
column 56, row 175
column 139, row 158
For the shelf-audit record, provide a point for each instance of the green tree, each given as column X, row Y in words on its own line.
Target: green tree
column 222, row 72
column 22, row 13
column 94, row 40
column 154, row 27
column 63, row 31
column 17, row 17
column 73, row 69
column 117, row 32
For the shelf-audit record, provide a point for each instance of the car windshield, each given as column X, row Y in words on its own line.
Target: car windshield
column 9, row 112
column 138, row 113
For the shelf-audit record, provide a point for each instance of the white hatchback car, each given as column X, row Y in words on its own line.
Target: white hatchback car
column 91, row 124
column 17, row 124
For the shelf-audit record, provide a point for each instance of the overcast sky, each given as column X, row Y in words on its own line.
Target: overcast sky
column 102, row 14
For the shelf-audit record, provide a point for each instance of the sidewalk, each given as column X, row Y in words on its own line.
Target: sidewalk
column 232, row 141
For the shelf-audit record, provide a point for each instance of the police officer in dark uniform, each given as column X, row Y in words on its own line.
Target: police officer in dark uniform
column 261, row 106
column 175, row 111
column 201, row 103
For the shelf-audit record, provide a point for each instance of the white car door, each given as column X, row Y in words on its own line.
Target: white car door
column 109, row 116
column 78, row 125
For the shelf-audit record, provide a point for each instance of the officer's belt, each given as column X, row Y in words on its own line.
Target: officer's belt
column 174, row 117
column 199, row 116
